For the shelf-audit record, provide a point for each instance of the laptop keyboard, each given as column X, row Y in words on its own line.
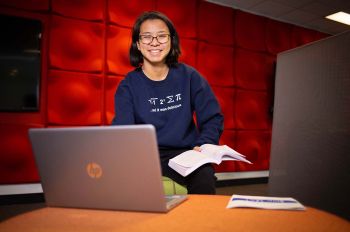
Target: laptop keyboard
column 169, row 198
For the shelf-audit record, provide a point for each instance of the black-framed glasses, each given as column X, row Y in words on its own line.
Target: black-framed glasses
column 148, row 39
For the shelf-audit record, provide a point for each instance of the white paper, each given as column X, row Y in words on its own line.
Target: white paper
column 188, row 161
column 260, row 202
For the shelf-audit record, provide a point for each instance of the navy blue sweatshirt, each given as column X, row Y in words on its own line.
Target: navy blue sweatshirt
column 169, row 105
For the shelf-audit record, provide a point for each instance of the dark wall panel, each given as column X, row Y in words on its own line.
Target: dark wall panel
column 310, row 153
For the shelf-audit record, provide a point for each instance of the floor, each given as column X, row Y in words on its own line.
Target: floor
column 255, row 187
column 251, row 189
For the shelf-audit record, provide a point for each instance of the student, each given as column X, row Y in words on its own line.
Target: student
column 165, row 93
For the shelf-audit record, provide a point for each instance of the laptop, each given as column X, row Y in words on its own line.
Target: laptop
column 101, row 167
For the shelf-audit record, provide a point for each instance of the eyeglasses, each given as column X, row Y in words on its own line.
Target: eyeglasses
column 148, row 39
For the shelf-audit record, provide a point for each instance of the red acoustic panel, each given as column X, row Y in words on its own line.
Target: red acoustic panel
column 215, row 23
column 255, row 145
column 83, row 9
column 253, row 70
column 228, row 138
column 278, row 36
column 17, row 164
column 226, row 100
column 252, row 110
column 250, row 31
column 301, row 36
column 182, row 13
column 225, row 166
column 111, row 83
column 118, row 44
column 188, row 51
column 74, row 98
column 125, row 12
column 38, row 5
column 321, row 35
column 76, row 45
column 216, row 64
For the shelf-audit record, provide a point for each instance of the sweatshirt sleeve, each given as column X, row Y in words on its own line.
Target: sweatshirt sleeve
column 123, row 106
column 208, row 113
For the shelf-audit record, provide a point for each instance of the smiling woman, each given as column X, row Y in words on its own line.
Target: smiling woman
column 154, row 52
column 166, row 94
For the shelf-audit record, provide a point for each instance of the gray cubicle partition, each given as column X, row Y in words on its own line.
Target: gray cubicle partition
column 310, row 152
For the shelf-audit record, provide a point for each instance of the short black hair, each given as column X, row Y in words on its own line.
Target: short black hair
column 136, row 58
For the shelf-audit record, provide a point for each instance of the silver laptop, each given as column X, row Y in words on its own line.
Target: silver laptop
column 108, row 167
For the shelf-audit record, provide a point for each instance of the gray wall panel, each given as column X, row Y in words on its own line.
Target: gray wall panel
column 310, row 152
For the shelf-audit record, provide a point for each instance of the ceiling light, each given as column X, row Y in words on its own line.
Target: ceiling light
column 340, row 17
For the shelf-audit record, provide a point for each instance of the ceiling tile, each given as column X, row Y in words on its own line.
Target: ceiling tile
column 238, row 4
column 271, row 9
column 328, row 26
column 295, row 11
column 318, row 8
column 294, row 4
column 298, row 17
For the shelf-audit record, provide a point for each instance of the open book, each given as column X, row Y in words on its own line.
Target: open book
column 188, row 161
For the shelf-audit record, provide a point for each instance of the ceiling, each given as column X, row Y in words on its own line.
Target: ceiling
column 305, row 13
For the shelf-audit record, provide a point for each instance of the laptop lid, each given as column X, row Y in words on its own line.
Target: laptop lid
column 105, row 167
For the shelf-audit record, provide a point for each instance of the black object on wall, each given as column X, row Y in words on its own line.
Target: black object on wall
column 310, row 152
column 20, row 64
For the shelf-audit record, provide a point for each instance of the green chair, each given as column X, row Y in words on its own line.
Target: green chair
column 173, row 188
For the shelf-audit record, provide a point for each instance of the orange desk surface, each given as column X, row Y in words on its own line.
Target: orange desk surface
column 198, row 213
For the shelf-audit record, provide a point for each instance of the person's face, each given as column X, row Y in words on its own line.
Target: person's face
column 154, row 49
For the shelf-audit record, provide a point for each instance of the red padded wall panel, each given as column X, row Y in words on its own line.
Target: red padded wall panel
column 216, row 63
column 111, row 83
column 118, row 44
column 256, row 146
column 250, row 31
column 225, row 97
column 17, row 163
column 125, row 12
column 188, row 52
column 225, row 166
column 320, row 35
column 215, row 23
column 252, row 110
column 84, row 9
column 278, row 36
column 228, row 138
column 74, row 98
column 40, row 5
column 301, row 36
column 183, row 14
column 253, row 70
column 76, row 45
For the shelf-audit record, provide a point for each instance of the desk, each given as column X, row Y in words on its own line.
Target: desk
column 198, row 213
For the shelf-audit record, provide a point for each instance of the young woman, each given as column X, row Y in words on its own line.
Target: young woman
column 165, row 93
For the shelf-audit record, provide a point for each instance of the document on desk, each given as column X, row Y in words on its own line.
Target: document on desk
column 260, row 202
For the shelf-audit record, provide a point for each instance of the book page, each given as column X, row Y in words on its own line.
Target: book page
column 210, row 149
column 189, row 158
column 223, row 152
